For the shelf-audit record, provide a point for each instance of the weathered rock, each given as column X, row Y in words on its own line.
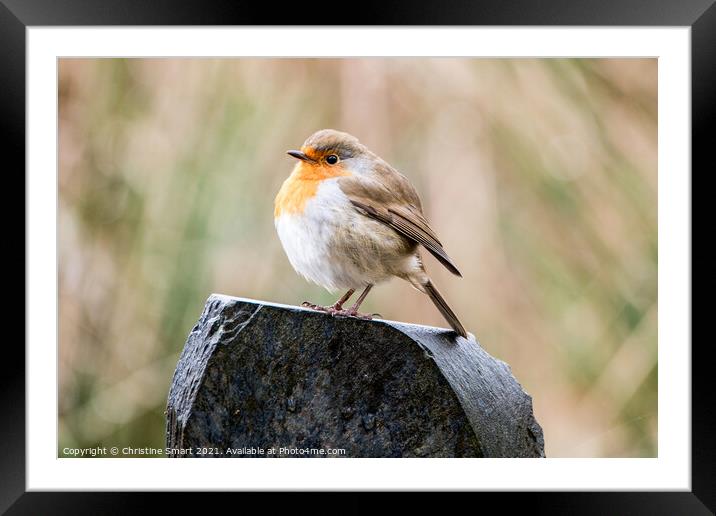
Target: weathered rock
column 255, row 376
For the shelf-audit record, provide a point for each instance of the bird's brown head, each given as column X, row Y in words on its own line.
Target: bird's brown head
column 330, row 151
column 326, row 154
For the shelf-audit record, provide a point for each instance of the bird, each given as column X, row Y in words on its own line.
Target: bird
column 348, row 220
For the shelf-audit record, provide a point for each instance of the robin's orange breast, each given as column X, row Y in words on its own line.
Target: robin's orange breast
column 302, row 185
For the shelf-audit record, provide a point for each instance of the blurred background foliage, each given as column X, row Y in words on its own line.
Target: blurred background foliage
column 539, row 175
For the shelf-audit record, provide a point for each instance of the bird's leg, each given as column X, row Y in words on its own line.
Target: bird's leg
column 333, row 309
column 346, row 297
column 353, row 310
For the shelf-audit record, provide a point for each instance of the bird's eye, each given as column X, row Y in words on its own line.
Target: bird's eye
column 332, row 159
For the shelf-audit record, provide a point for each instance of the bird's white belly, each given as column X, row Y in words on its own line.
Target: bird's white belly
column 314, row 241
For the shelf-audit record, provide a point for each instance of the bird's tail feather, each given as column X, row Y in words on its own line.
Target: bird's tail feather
column 445, row 310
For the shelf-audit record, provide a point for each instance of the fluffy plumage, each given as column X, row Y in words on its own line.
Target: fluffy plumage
column 356, row 222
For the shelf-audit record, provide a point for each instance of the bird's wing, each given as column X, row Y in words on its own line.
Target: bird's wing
column 388, row 196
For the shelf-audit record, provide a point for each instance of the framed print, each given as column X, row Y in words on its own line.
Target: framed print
column 215, row 212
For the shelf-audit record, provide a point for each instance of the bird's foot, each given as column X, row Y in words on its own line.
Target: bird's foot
column 337, row 310
column 318, row 308
column 332, row 309
column 349, row 313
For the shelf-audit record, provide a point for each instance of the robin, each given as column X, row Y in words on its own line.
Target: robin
column 348, row 220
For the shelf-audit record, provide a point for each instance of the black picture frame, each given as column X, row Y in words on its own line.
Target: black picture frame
column 17, row 15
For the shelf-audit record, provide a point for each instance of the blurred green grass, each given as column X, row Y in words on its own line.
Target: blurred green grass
column 539, row 175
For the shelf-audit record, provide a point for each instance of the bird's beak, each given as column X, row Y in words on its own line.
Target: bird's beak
column 300, row 155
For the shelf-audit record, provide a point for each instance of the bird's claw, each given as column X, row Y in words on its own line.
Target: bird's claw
column 337, row 311
column 312, row 306
column 351, row 313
